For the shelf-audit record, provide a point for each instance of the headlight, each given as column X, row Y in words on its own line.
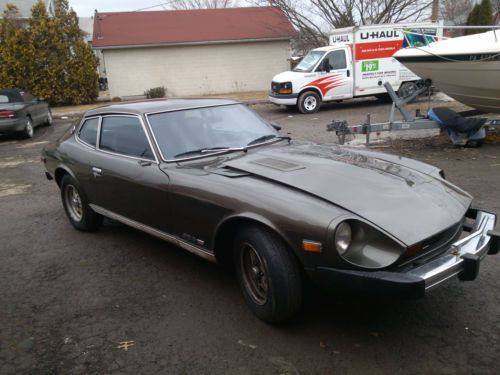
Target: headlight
column 362, row 245
column 285, row 88
column 343, row 237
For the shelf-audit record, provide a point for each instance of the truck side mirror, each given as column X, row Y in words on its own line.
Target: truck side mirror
column 325, row 65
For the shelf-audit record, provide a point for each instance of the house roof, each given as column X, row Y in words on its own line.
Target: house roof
column 200, row 26
column 24, row 6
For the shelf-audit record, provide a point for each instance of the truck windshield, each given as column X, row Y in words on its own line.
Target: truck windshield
column 309, row 61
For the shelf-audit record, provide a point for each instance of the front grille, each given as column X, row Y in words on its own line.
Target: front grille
column 434, row 246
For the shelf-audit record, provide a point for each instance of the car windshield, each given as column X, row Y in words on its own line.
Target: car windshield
column 185, row 133
column 309, row 61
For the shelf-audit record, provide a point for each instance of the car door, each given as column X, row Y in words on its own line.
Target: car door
column 34, row 107
column 335, row 76
column 127, row 180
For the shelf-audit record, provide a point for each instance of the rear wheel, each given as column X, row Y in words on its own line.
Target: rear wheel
column 407, row 89
column 28, row 130
column 269, row 276
column 50, row 120
column 76, row 206
column 309, row 102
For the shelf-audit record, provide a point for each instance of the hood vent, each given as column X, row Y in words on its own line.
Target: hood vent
column 277, row 164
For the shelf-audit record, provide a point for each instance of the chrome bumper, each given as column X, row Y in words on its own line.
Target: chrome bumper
column 464, row 256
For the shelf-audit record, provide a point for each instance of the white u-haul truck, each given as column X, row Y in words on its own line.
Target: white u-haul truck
column 357, row 63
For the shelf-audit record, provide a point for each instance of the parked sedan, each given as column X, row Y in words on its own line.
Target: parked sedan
column 213, row 178
column 21, row 112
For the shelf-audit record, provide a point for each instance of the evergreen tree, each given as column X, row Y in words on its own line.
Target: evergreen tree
column 49, row 57
column 481, row 15
column 13, row 39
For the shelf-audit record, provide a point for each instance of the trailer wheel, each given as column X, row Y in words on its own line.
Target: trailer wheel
column 309, row 102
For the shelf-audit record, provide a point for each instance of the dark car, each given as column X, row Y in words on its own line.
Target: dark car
column 215, row 179
column 21, row 112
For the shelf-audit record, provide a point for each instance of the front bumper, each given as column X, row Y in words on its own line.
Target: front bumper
column 283, row 99
column 462, row 260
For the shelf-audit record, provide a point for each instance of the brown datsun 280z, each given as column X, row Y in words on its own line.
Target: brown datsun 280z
column 217, row 180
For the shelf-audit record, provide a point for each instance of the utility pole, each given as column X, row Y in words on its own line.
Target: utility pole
column 435, row 10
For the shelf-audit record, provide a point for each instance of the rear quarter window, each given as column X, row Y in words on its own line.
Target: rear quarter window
column 88, row 131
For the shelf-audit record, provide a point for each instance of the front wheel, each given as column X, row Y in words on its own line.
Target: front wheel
column 309, row 102
column 269, row 276
column 76, row 206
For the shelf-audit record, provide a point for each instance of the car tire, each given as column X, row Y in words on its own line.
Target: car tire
column 28, row 130
column 49, row 120
column 309, row 102
column 268, row 274
column 76, row 206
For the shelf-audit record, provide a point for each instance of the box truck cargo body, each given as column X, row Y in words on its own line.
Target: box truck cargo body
column 357, row 63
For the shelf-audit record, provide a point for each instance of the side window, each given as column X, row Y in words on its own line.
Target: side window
column 88, row 131
column 124, row 135
column 337, row 60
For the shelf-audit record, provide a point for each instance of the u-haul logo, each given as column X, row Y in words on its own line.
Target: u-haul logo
column 384, row 34
column 341, row 38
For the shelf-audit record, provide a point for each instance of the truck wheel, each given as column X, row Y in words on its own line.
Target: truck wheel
column 406, row 89
column 269, row 276
column 309, row 102
column 77, row 209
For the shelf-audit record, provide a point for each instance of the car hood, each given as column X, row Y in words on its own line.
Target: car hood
column 404, row 197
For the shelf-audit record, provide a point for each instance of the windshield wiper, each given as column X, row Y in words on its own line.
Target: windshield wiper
column 267, row 138
column 203, row 150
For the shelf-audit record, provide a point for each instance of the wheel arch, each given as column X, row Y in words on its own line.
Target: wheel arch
column 311, row 88
column 60, row 172
column 226, row 230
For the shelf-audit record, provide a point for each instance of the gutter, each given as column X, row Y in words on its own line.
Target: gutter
column 232, row 41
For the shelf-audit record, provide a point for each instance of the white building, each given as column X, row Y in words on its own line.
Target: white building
column 193, row 52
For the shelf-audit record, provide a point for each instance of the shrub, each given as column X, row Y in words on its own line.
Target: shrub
column 155, row 92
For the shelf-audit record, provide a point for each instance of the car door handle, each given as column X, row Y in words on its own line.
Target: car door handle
column 96, row 171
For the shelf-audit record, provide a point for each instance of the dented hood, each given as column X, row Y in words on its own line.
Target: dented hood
column 404, row 197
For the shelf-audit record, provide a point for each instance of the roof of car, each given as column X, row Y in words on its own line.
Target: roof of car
column 157, row 105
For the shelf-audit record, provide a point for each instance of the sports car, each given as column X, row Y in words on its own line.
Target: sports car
column 215, row 179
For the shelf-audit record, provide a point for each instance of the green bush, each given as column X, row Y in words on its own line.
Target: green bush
column 155, row 92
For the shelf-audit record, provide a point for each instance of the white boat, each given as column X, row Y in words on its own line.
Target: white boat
column 466, row 68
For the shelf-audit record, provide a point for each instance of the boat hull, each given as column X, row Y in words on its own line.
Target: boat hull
column 466, row 68
column 476, row 84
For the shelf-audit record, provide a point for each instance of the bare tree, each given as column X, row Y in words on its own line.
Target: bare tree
column 202, row 4
column 455, row 12
column 314, row 18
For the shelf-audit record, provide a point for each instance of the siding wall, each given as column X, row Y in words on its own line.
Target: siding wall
column 196, row 70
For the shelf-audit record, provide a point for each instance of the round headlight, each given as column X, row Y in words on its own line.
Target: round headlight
column 343, row 237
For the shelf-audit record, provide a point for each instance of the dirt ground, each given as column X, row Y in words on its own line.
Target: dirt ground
column 120, row 301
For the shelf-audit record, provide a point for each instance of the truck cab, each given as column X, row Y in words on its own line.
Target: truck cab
column 324, row 74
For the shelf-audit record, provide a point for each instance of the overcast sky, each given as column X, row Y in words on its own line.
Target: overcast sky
column 85, row 8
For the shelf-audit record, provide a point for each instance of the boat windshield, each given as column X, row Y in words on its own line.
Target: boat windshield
column 309, row 61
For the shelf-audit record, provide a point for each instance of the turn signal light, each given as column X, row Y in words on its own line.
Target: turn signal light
column 311, row 246
column 285, row 91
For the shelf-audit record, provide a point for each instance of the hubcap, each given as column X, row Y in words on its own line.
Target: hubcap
column 29, row 128
column 73, row 203
column 310, row 103
column 254, row 274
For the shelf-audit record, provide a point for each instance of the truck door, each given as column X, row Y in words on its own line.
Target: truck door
column 335, row 75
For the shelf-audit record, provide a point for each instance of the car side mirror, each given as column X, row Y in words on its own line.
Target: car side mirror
column 275, row 125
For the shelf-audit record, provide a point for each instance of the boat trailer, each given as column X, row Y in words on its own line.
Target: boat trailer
column 473, row 137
